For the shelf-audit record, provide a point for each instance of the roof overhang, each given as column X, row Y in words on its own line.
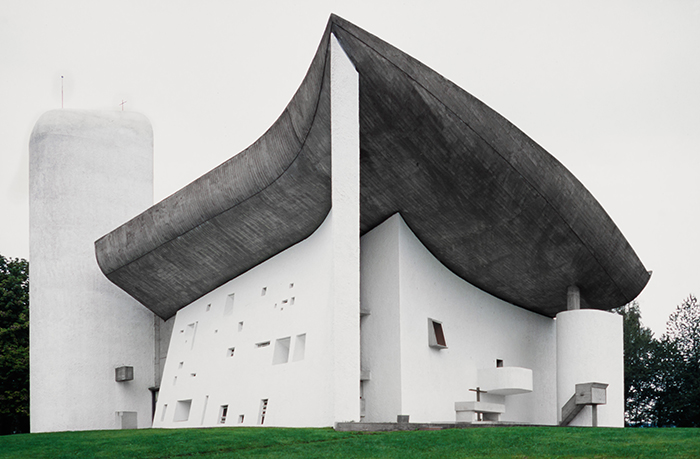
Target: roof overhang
column 492, row 205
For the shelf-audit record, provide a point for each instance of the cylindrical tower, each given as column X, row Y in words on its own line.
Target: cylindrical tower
column 89, row 172
column 589, row 350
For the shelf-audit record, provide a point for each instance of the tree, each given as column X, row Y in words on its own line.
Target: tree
column 641, row 372
column 14, row 346
column 679, row 367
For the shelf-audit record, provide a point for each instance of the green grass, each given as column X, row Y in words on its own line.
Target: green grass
column 507, row 442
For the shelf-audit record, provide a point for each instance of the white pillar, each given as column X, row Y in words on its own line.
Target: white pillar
column 590, row 349
column 88, row 173
column 345, row 171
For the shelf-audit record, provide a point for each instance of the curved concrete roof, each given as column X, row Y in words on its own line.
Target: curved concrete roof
column 484, row 198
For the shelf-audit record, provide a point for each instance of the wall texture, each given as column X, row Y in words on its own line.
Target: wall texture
column 89, row 172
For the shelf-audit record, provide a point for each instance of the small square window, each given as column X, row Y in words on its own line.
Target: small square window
column 436, row 336
column 291, row 285
column 281, row 354
column 182, row 410
column 499, row 363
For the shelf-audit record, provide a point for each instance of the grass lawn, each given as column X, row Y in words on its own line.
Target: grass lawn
column 503, row 442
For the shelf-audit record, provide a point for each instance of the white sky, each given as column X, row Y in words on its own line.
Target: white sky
column 610, row 88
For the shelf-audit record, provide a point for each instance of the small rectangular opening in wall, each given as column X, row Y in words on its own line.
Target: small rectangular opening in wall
column 223, row 412
column 175, row 380
column 180, row 365
column 240, row 326
column 228, row 307
column 281, row 354
column 299, row 347
column 209, row 307
column 262, row 344
column 263, row 411
column 291, row 285
column 182, row 410
column 499, row 363
column 241, row 417
column 190, row 334
column 162, row 415
column 230, row 351
column 436, row 336
column 264, row 291
column 193, row 374
column 291, row 300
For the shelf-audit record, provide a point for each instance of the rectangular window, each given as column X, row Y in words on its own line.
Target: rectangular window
column 436, row 336
column 264, row 291
column 182, row 410
column 223, row 412
column 499, row 363
column 162, row 415
column 190, row 334
column 262, row 344
column 230, row 351
column 299, row 347
column 209, row 307
column 240, row 418
column 228, row 307
column 281, row 354
column 240, row 326
column 263, row 411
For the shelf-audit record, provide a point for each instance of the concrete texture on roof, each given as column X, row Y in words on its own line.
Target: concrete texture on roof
column 492, row 205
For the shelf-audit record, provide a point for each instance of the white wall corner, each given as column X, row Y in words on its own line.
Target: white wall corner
column 345, row 296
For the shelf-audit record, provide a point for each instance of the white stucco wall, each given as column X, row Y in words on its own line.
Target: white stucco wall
column 297, row 297
column 89, row 172
column 478, row 327
column 590, row 349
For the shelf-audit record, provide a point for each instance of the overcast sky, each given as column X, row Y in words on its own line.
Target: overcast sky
column 609, row 88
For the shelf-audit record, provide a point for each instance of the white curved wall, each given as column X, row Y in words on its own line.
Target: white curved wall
column 287, row 296
column 590, row 349
column 89, row 172
column 402, row 286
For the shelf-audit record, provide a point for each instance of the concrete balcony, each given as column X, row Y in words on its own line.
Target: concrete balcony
column 505, row 380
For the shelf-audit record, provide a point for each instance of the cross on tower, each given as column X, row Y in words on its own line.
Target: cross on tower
column 122, row 104
column 478, row 393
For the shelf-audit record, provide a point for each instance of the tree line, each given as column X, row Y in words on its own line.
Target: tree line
column 662, row 376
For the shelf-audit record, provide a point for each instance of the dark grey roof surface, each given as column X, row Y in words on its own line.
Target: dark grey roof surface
column 484, row 198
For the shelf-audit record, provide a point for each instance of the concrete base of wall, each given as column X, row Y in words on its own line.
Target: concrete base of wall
column 394, row 426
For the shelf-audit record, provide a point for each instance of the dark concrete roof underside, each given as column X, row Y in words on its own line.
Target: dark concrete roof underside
column 484, row 198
